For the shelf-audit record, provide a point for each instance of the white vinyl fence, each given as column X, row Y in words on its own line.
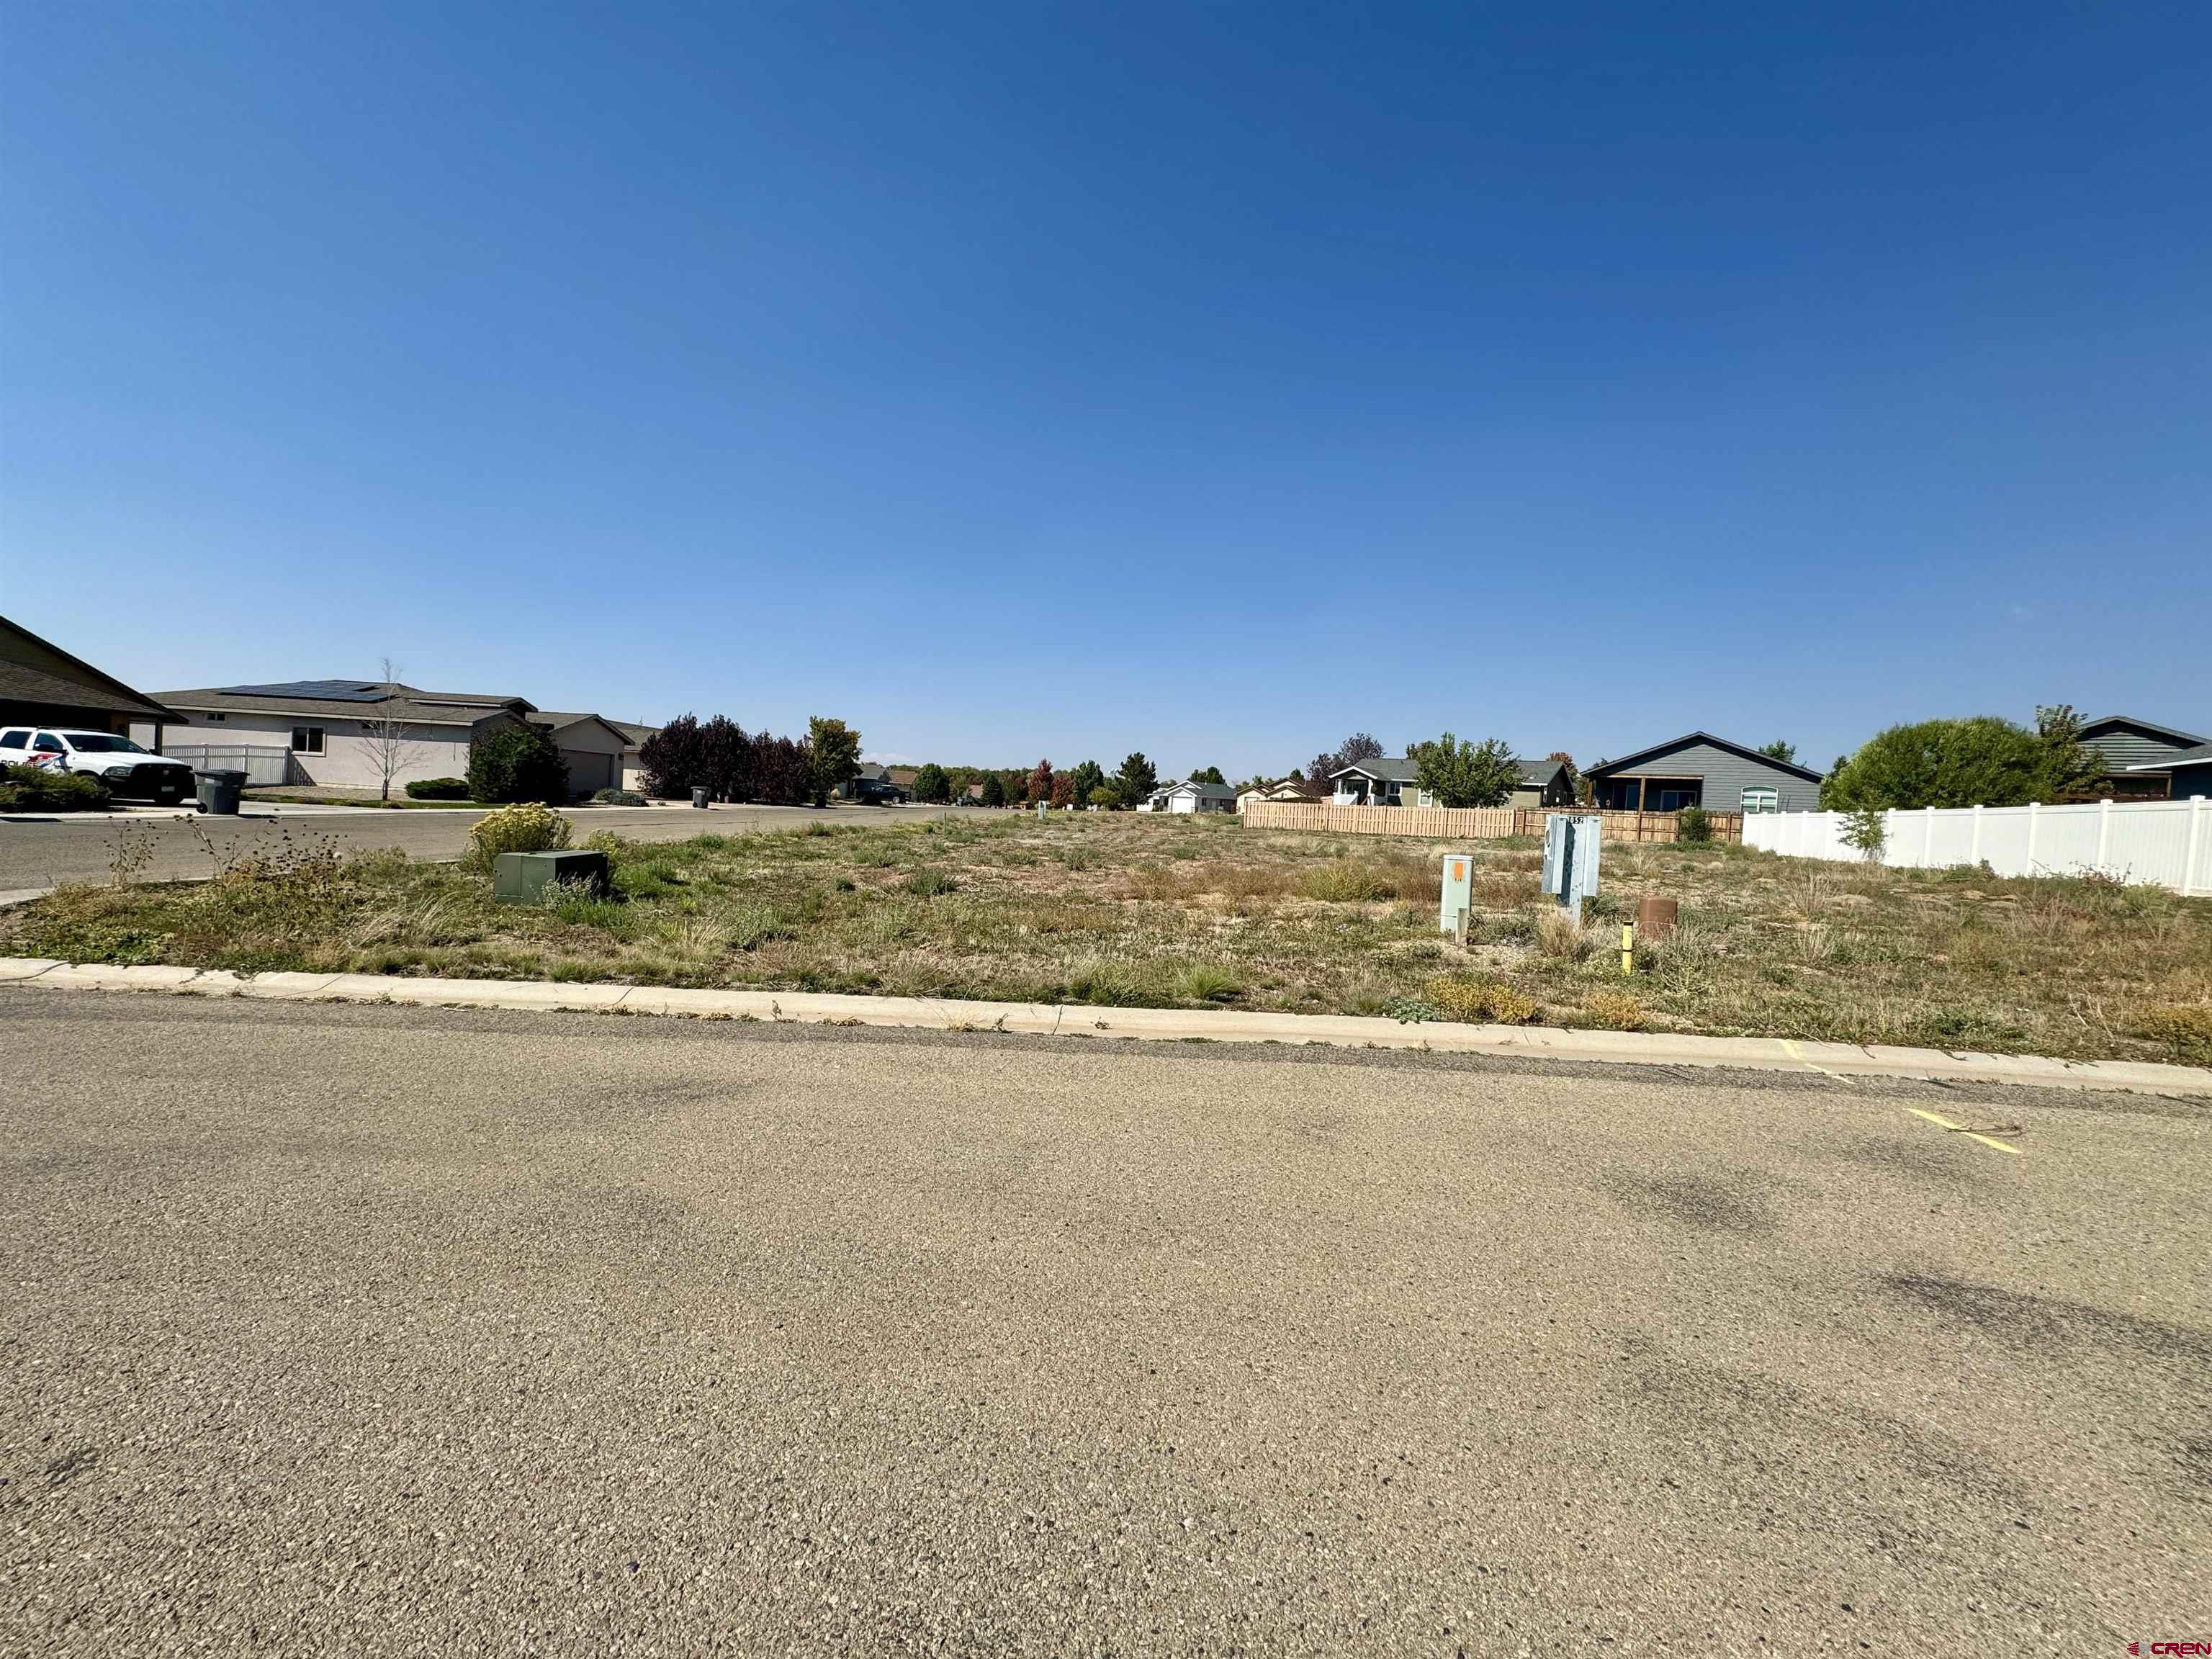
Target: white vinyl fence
column 265, row 767
column 2166, row 842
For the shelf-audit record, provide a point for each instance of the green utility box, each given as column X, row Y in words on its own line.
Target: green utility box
column 523, row 877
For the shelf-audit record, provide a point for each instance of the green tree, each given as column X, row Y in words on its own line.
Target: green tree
column 1089, row 778
column 1207, row 775
column 994, row 790
column 930, row 783
column 1136, row 779
column 1106, row 798
column 1979, row 762
column 833, row 756
column 1784, row 752
column 517, row 762
column 1462, row 774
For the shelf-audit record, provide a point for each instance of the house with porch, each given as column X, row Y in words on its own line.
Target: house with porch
column 1699, row 770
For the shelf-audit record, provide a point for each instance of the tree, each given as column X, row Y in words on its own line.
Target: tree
column 1063, row 790
column 783, row 771
column 390, row 742
column 1207, row 775
column 930, row 784
column 517, row 762
column 726, row 756
column 1040, row 782
column 1980, row 762
column 1090, row 777
column 1462, row 774
column 673, row 758
column 1136, row 780
column 1360, row 746
column 994, row 790
column 1784, row 752
column 1106, row 798
column 834, row 750
column 1574, row 774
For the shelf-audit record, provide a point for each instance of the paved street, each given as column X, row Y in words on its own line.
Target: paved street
column 37, row 854
column 370, row 1330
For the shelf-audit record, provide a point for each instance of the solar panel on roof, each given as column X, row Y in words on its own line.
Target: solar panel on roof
column 320, row 690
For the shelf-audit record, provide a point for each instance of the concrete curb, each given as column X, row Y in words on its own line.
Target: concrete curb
column 1149, row 1024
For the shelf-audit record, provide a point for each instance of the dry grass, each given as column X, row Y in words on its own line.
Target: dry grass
column 1128, row 910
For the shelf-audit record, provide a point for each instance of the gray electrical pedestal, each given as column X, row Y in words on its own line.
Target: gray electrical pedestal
column 1570, row 850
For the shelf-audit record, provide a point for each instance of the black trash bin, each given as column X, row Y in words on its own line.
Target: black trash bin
column 699, row 798
column 219, row 792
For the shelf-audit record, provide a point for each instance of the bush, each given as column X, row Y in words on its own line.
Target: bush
column 1343, row 881
column 527, row 827
column 439, row 789
column 1866, row 829
column 1473, row 1000
column 1615, row 1011
column 2185, row 1033
column 1205, row 981
column 35, row 789
column 1693, row 824
column 517, row 763
column 618, row 798
column 928, row 884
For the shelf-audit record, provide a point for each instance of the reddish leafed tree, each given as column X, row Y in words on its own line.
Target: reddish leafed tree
column 1040, row 787
column 1063, row 789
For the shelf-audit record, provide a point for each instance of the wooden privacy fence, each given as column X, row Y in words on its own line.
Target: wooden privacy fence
column 1468, row 823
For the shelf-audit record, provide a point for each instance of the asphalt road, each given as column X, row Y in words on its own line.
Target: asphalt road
column 44, row 853
column 368, row 1330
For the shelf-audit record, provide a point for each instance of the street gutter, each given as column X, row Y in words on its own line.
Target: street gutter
column 1834, row 1059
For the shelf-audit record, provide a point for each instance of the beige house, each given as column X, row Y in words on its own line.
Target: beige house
column 340, row 734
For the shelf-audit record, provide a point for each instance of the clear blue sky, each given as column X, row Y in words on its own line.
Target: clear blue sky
column 1056, row 379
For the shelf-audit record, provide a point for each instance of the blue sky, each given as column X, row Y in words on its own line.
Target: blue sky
column 1024, row 380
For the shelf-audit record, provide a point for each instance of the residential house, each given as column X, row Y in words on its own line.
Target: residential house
column 41, row 684
column 2186, row 772
column 1544, row 783
column 1384, row 781
column 1188, row 797
column 2133, row 752
column 633, row 759
column 1290, row 789
column 334, row 733
column 1699, row 770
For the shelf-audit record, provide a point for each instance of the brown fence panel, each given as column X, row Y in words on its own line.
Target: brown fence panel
column 1467, row 822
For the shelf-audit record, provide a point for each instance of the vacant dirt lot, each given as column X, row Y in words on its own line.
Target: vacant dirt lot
column 1139, row 911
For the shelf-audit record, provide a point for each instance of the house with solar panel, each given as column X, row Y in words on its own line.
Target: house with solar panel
column 328, row 732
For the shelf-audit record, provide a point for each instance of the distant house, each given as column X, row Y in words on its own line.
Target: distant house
column 2135, row 752
column 2186, row 772
column 1187, row 797
column 1544, row 783
column 41, row 684
column 1384, row 781
column 633, row 759
column 1290, row 789
column 325, row 731
column 1700, row 769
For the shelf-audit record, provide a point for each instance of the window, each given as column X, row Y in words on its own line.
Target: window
column 15, row 739
column 306, row 739
column 104, row 742
column 51, row 744
column 1762, row 800
column 213, row 717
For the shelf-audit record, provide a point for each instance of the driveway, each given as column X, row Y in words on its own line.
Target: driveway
column 39, row 853
column 374, row 1330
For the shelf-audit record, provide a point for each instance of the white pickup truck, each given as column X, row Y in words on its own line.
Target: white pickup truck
column 121, row 764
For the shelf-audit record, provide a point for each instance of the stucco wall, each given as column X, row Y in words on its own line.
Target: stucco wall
column 347, row 761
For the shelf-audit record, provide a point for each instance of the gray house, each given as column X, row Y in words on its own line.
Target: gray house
column 2186, row 772
column 1396, row 780
column 1700, row 769
column 2135, row 752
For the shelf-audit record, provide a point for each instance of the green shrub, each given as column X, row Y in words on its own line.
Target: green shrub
column 928, row 884
column 1478, row 999
column 35, row 789
column 1206, row 982
column 439, row 789
column 517, row 763
column 2183, row 1031
column 1344, row 881
column 618, row 798
column 1693, row 824
column 527, row 827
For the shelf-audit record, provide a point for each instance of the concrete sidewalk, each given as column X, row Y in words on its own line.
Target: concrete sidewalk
column 1834, row 1059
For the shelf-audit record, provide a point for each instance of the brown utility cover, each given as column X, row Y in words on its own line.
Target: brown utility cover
column 1655, row 917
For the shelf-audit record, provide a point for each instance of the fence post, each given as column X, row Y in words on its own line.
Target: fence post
column 1928, row 839
column 1974, row 855
column 2195, row 840
column 2035, row 811
column 2104, row 831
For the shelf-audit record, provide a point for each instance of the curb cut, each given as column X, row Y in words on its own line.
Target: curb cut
column 1834, row 1059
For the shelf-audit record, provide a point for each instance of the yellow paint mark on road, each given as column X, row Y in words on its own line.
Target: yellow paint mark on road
column 1793, row 1053
column 1961, row 1129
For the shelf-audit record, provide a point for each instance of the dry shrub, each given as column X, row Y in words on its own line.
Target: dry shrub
column 2185, row 1032
column 1615, row 1011
column 1354, row 881
column 1473, row 1000
column 1558, row 934
column 1502, row 892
